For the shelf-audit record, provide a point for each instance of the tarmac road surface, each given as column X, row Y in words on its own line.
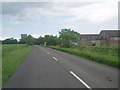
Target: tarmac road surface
column 49, row 68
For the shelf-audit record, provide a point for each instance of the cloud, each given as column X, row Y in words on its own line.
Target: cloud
column 94, row 12
column 15, row 8
column 35, row 35
column 52, row 0
column 38, row 35
column 3, row 38
column 7, row 29
column 23, row 11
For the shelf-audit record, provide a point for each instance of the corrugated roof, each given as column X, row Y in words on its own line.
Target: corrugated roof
column 112, row 33
column 88, row 36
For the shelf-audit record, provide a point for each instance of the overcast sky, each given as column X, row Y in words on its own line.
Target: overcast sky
column 40, row 18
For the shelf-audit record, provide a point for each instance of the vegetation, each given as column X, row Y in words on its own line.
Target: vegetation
column 12, row 56
column 49, row 39
column 105, row 55
column 68, row 36
column 10, row 41
column 0, row 65
column 14, row 52
column 28, row 40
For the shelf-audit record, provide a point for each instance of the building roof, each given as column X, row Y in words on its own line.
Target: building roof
column 88, row 36
column 105, row 34
column 112, row 33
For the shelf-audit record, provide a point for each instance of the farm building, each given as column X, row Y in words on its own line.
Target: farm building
column 88, row 39
column 109, row 37
column 104, row 38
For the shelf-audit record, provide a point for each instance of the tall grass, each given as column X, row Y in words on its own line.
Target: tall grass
column 105, row 55
column 12, row 56
column 0, row 65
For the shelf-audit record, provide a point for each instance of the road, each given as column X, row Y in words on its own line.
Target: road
column 49, row 68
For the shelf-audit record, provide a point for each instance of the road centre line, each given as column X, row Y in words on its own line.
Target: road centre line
column 81, row 80
column 55, row 58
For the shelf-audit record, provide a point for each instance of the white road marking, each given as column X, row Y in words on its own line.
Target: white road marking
column 48, row 53
column 81, row 80
column 55, row 58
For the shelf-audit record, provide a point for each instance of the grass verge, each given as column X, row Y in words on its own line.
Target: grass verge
column 0, row 66
column 107, row 59
column 12, row 58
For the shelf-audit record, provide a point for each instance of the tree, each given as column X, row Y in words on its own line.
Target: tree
column 10, row 41
column 28, row 40
column 68, row 36
column 51, row 40
column 36, row 41
column 41, row 40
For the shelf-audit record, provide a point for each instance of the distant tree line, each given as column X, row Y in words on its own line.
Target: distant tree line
column 49, row 39
column 66, row 37
column 10, row 41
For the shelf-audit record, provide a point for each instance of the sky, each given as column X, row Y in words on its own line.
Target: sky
column 38, row 17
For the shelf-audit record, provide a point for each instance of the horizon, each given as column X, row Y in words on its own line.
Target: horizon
column 50, row 34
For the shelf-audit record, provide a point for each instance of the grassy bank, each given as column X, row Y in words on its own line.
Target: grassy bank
column 0, row 65
column 12, row 56
column 105, row 55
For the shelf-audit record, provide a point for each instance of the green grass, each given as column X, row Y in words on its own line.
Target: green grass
column 12, row 57
column 105, row 55
column 0, row 65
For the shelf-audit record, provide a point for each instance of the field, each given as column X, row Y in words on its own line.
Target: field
column 12, row 56
column 105, row 55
